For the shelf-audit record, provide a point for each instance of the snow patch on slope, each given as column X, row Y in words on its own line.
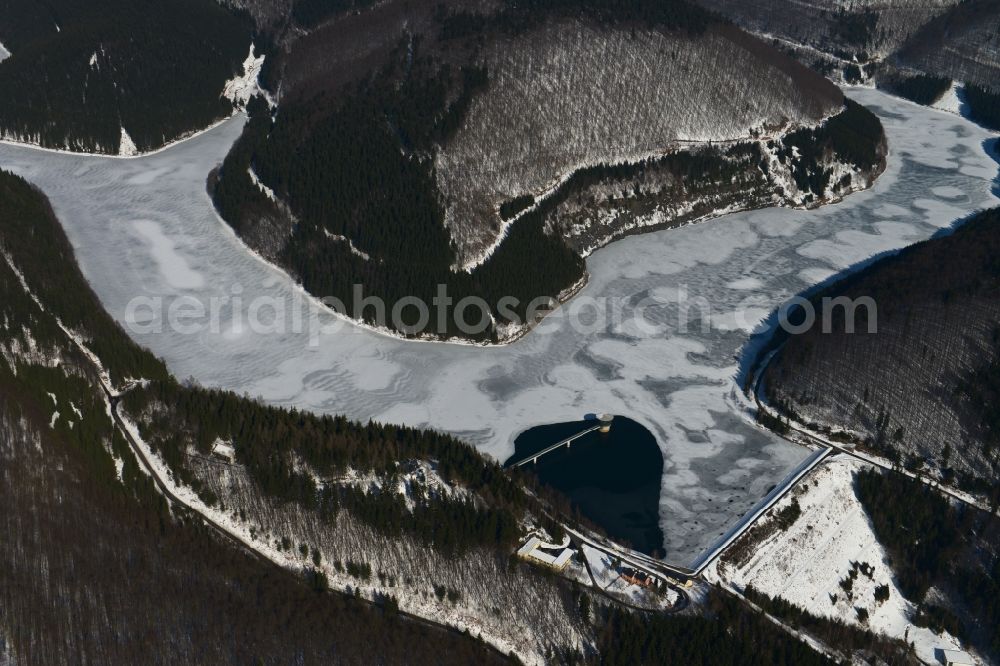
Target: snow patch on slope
column 806, row 563
column 126, row 147
column 344, row 239
column 950, row 100
column 241, row 88
column 264, row 189
column 4, row 53
column 75, row 337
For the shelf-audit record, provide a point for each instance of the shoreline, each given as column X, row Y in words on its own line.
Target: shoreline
column 520, row 330
column 81, row 153
column 572, row 290
column 564, row 297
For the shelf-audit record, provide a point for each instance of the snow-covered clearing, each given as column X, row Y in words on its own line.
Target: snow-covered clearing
column 242, row 87
column 638, row 595
column 950, row 100
column 831, row 542
column 126, row 147
column 601, row 567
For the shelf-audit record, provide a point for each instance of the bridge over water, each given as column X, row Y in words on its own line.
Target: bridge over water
column 603, row 424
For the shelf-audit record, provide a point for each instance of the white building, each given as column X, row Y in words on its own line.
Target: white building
column 224, row 451
column 532, row 550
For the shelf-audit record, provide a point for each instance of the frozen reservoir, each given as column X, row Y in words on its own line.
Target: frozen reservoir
column 145, row 227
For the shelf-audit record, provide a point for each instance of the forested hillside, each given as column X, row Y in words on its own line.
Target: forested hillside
column 82, row 72
column 749, row 639
column 881, row 41
column 984, row 105
column 861, row 556
column 806, row 167
column 96, row 569
column 962, row 43
column 844, row 30
column 95, row 566
column 324, row 486
column 923, row 389
column 570, row 95
column 947, row 559
column 417, row 146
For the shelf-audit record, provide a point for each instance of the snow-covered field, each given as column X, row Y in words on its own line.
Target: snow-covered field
column 132, row 220
column 601, row 569
column 806, row 563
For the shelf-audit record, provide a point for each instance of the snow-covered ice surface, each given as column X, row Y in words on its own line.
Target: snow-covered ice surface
column 132, row 220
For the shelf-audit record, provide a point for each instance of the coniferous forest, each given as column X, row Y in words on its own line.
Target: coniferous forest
column 953, row 549
column 82, row 71
column 855, row 134
column 984, row 105
column 94, row 555
column 362, row 172
column 944, row 419
column 733, row 636
column 921, row 88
